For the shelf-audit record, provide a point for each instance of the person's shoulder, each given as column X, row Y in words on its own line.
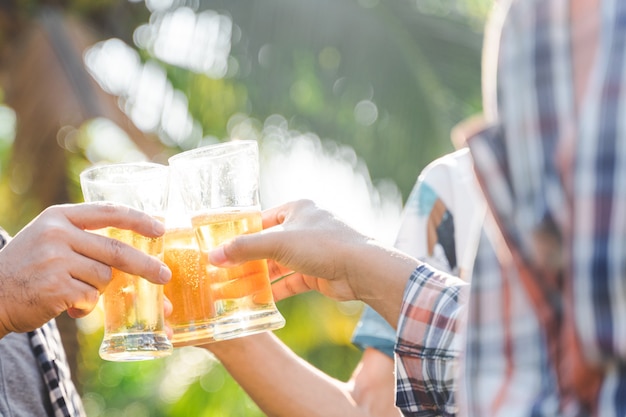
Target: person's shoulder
column 460, row 160
column 445, row 173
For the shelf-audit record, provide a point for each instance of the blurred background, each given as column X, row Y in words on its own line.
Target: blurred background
column 349, row 100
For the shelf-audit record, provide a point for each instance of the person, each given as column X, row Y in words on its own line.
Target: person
column 538, row 330
column 434, row 228
column 54, row 264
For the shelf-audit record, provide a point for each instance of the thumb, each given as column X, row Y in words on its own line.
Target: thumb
column 265, row 244
column 218, row 257
column 241, row 249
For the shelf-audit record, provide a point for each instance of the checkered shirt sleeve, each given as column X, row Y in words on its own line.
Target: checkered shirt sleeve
column 46, row 344
column 433, row 314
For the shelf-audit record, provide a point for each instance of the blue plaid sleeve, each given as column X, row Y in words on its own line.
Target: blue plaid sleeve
column 373, row 331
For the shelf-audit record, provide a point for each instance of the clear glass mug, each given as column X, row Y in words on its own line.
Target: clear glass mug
column 189, row 290
column 219, row 185
column 133, row 307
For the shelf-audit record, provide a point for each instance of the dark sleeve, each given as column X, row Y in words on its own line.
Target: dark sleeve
column 4, row 237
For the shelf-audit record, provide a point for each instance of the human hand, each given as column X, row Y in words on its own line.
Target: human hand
column 54, row 264
column 297, row 237
column 311, row 249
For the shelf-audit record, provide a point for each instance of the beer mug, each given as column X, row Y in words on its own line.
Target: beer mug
column 219, row 185
column 133, row 307
column 189, row 290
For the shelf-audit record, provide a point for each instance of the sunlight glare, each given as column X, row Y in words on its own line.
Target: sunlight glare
column 200, row 42
column 103, row 140
column 297, row 165
column 184, row 367
column 114, row 65
column 146, row 95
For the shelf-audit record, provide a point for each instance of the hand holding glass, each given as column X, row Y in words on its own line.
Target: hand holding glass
column 133, row 306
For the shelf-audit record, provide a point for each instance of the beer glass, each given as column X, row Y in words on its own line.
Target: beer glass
column 220, row 189
column 133, row 306
column 189, row 290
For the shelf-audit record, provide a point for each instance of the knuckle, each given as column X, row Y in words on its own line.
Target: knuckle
column 108, row 209
column 290, row 287
column 103, row 273
column 88, row 297
column 54, row 231
column 116, row 250
column 52, row 211
column 91, row 296
column 106, row 206
column 307, row 203
column 49, row 254
column 274, row 269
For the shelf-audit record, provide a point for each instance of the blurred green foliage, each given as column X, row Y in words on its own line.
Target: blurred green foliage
column 192, row 383
column 313, row 62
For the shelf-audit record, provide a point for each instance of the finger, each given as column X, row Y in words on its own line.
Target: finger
column 289, row 286
column 261, row 245
column 91, row 272
column 122, row 256
column 169, row 332
column 277, row 271
column 275, row 216
column 91, row 216
column 82, row 298
column 77, row 313
column 168, row 307
column 265, row 244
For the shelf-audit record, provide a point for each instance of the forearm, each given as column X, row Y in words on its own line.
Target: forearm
column 379, row 275
column 280, row 382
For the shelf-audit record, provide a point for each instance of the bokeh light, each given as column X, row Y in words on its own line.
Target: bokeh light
column 199, row 42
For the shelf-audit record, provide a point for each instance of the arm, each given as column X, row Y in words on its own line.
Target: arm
column 283, row 384
column 54, row 264
column 427, row 306
column 298, row 388
column 373, row 383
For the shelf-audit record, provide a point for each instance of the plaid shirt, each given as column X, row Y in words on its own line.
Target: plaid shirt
column 48, row 350
column 540, row 330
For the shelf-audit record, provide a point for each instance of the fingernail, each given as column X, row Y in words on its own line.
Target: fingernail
column 165, row 274
column 158, row 227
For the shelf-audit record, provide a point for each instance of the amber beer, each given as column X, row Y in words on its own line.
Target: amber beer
column 189, row 290
column 133, row 307
column 242, row 294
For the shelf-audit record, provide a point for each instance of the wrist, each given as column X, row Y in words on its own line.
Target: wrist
column 381, row 277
